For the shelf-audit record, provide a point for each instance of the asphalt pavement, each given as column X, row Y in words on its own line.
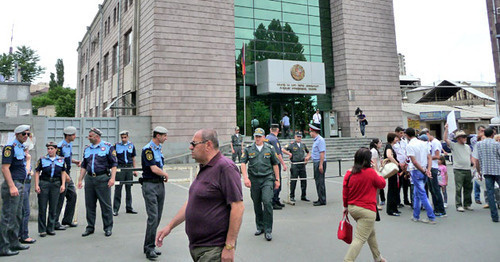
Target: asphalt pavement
column 300, row 233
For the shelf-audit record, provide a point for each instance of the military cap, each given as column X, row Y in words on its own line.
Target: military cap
column 275, row 126
column 160, row 130
column 259, row 132
column 69, row 130
column 237, row 128
column 460, row 133
column 313, row 127
column 96, row 131
column 124, row 132
column 52, row 144
column 298, row 133
column 424, row 138
column 21, row 128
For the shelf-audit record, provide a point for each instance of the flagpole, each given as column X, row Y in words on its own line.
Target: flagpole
column 243, row 72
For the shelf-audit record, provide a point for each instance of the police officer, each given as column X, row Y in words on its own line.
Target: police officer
column 319, row 164
column 261, row 177
column 125, row 153
column 153, row 188
column 236, row 144
column 298, row 153
column 272, row 139
column 65, row 149
column 99, row 170
column 15, row 173
column 49, row 185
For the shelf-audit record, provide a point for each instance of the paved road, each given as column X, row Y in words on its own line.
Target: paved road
column 301, row 233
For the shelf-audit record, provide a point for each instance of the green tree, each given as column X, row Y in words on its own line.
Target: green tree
column 60, row 72
column 27, row 60
column 62, row 98
column 52, row 82
column 6, row 65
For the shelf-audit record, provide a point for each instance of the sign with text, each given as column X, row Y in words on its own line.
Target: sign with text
column 290, row 77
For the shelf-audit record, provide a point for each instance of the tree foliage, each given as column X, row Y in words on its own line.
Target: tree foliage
column 27, row 60
column 6, row 65
column 60, row 72
column 62, row 98
column 52, row 82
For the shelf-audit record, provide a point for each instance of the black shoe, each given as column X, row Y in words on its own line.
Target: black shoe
column 158, row 252
column 60, row 227
column 131, row 211
column 314, row 202
column 115, row 213
column 319, row 204
column 43, row 234
column 26, row 241
column 277, row 207
column 398, row 212
column 292, row 199
column 259, row 232
column 70, row 224
column 305, row 199
column 151, row 254
column 394, row 214
column 20, row 247
column 268, row 236
column 479, row 202
column 107, row 233
column 87, row 232
column 280, row 204
column 401, row 206
column 51, row 233
column 8, row 253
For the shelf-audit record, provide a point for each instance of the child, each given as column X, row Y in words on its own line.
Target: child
column 443, row 179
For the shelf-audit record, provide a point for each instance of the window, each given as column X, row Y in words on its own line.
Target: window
column 82, row 88
column 105, row 67
column 130, row 2
column 125, row 6
column 127, row 48
column 98, row 75
column 105, row 28
column 115, row 59
column 91, row 79
column 114, row 16
column 109, row 23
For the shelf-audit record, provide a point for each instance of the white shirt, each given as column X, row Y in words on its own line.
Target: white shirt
column 400, row 148
column 317, row 118
column 435, row 146
column 420, row 150
column 375, row 156
column 259, row 147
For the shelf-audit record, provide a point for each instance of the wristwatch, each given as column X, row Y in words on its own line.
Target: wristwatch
column 229, row 247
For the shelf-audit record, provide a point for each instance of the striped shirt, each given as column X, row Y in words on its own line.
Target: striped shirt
column 488, row 154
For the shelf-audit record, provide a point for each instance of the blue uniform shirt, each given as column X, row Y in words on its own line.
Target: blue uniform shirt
column 51, row 168
column 151, row 156
column 99, row 158
column 65, row 150
column 273, row 140
column 319, row 146
column 13, row 154
column 125, row 153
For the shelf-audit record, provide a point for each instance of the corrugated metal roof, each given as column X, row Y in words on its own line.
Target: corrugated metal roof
column 467, row 112
column 447, row 89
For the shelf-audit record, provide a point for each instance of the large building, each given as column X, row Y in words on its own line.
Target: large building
column 180, row 63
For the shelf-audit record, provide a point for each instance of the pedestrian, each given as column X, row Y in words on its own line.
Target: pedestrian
column 437, row 198
column 392, row 187
column 400, row 149
column 375, row 146
column 299, row 156
column 261, row 177
column 359, row 196
column 125, row 154
column 99, row 170
column 153, row 188
column 50, row 182
column 419, row 167
column 65, row 149
column 317, row 119
column 214, row 210
column 272, row 138
column 23, row 228
column 15, row 173
column 486, row 156
column 443, row 179
column 285, row 125
column 461, row 169
column 254, row 123
column 319, row 164
column 473, row 141
column 361, row 120
column 236, row 145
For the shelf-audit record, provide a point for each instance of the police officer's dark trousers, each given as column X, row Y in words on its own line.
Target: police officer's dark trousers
column 261, row 192
column 123, row 176
column 237, row 153
column 154, row 196
column 96, row 188
column 276, row 197
column 69, row 211
column 319, row 178
column 49, row 194
column 12, row 212
column 298, row 171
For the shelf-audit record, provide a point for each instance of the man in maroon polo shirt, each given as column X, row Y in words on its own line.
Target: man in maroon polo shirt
column 215, row 207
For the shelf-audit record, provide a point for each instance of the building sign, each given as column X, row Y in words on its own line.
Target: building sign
column 290, row 77
column 437, row 115
column 415, row 124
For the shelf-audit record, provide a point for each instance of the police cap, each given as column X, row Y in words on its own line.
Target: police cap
column 258, row 132
column 160, row 130
column 21, row 129
column 124, row 132
column 314, row 128
column 52, row 144
column 298, row 133
column 96, row 131
column 69, row 130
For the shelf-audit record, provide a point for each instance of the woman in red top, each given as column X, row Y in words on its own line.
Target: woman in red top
column 360, row 199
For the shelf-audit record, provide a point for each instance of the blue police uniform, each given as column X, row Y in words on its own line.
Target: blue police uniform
column 65, row 150
column 153, row 191
column 13, row 154
column 50, row 183
column 273, row 140
column 97, row 161
column 125, row 154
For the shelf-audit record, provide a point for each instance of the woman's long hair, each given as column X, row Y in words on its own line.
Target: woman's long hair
column 373, row 144
column 362, row 159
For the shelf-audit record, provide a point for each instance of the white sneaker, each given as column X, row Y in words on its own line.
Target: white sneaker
column 460, row 209
column 445, row 205
column 469, row 208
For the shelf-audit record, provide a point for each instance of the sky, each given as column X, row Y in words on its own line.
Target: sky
column 441, row 39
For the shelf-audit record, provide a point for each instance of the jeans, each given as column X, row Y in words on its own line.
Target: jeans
column 362, row 128
column 420, row 197
column 490, row 190
column 477, row 191
column 23, row 227
column 437, row 198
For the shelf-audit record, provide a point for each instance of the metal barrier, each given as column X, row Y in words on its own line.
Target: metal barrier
column 191, row 169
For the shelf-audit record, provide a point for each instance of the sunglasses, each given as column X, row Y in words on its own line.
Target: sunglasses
column 194, row 144
column 25, row 133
